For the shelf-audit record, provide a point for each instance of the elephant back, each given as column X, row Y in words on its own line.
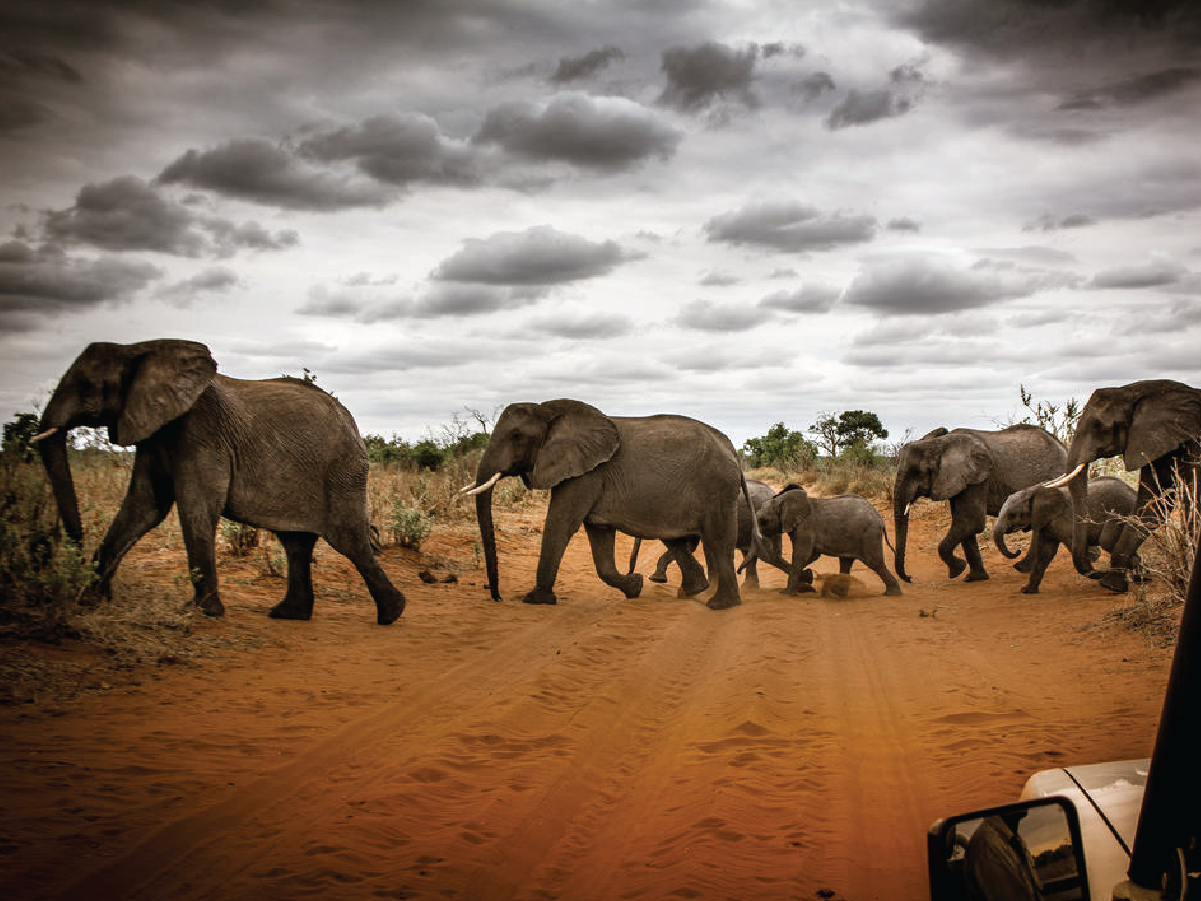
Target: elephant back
column 1022, row 455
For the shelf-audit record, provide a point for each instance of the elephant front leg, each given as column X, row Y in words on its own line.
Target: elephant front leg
column 660, row 573
column 1042, row 551
column 967, row 521
column 802, row 556
column 564, row 517
column 602, row 540
column 147, row 502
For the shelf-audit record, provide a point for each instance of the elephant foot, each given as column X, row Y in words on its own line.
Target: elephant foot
column 542, row 596
column 1023, row 566
column 1029, row 589
column 800, row 589
column 893, row 591
column 724, row 602
column 693, row 588
column 1114, row 580
column 955, row 566
column 210, row 605
column 658, row 578
column 750, row 582
column 633, row 586
column 977, row 577
column 388, row 612
column 290, row 610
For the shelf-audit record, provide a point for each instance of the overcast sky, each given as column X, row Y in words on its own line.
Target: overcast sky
column 748, row 212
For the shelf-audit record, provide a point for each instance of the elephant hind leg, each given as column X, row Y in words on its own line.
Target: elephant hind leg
column 298, row 600
column 719, row 539
column 693, row 578
column 355, row 546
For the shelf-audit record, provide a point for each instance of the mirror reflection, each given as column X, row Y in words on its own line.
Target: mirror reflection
column 1022, row 852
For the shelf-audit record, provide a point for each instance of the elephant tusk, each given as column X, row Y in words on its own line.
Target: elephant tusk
column 46, row 434
column 1064, row 479
column 906, row 512
column 480, row 489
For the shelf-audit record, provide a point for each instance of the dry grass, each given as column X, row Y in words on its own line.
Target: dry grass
column 874, row 482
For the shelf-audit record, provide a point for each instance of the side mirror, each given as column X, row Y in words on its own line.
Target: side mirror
column 1029, row 851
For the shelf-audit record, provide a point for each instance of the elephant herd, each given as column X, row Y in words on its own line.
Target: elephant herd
column 283, row 455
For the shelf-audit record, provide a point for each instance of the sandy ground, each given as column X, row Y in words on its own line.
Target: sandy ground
column 791, row 748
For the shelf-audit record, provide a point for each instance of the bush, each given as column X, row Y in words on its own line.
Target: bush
column 241, row 538
column 779, row 448
column 409, row 526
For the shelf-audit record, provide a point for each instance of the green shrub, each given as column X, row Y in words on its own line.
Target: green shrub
column 241, row 538
column 410, row 526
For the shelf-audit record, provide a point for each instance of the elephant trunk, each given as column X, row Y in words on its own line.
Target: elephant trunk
column 53, row 448
column 900, row 517
column 1078, row 490
column 483, row 515
column 999, row 530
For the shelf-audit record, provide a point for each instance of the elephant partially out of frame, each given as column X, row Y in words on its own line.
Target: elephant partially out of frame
column 760, row 494
column 976, row 471
column 1155, row 425
column 665, row 477
column 847, row 527
column 277, row 454
column 1046, row 513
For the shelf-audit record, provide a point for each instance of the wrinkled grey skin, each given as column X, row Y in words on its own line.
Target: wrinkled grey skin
column 847, row 527
column 277, row 454
column 760, row 494
column 1155, row 426
column 1047, row 514
column 976, row 471
column 664, row 477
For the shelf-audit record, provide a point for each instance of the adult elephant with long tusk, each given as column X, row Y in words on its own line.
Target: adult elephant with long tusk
column 666, row 477
column 1156, row 426
column 976, row 470
column 277, row 454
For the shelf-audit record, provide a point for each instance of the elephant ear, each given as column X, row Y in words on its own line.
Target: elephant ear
column 1046, row 504
column 579, row 438
column 1163, row 420
column 164, row 379
column 794, row 507
column 963, row 462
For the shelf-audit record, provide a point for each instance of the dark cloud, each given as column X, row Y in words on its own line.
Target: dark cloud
column 806, row 299
column 790, row 227
column 606, row 133
column 262, row 172
column 46, row 280
column 322, row 303
column 903, row 224
column 583, row 326
column 707, row 316
column 698, row 76
column 1157, row 273
column 1135, row 90
column 718, row 280
column 217, row 279
column 129, row 214
column 575, row 69
column 927, row 284
column 812, row 86
column 1047, row 222
column 399, row 149
column 21, row 112
column 537, row 256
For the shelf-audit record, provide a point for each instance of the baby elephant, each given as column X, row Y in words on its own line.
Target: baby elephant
column 1047, row 514
column 846, row 527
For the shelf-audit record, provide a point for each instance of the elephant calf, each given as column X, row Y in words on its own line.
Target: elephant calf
column 1046, row 513
column 846, row 527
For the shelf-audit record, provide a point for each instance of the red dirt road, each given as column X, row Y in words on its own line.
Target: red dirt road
column 600, row 749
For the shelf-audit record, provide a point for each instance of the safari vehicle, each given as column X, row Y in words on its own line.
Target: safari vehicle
column 1128, row 830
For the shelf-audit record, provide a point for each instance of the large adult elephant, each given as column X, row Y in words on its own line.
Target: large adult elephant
column 666, row 477
column 976, row 470
column 277, row 454
column 1155, row 425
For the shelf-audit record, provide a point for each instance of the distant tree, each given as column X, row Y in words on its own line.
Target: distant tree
column 1060, row 421
column 779, row 447
column 383, row 450
column 427, row 455
column 850, row 428
column 17, row 435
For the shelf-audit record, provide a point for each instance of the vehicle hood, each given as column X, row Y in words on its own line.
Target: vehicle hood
column 1107, row 798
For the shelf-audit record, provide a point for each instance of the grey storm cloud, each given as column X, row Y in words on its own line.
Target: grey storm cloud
column 697, row 76
column 790, row 227
column 259, row 171
column 537, row 256
column 708, row 316
column 127, row 213
column 216, row 279
column 865, row 107
column 813, row 85
column 583, row 326
column 928, row 284
column 1143, row 88
column 45, row 279
column 398, row 149
column 577, row 68
column 903, row 224
column 1157, row 273
column 606, row 133
column 806, row 299
column 1048, row 222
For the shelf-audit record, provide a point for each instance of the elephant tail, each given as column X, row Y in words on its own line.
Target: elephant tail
column 884, row 529
column 634, row 555
column 756, row 536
